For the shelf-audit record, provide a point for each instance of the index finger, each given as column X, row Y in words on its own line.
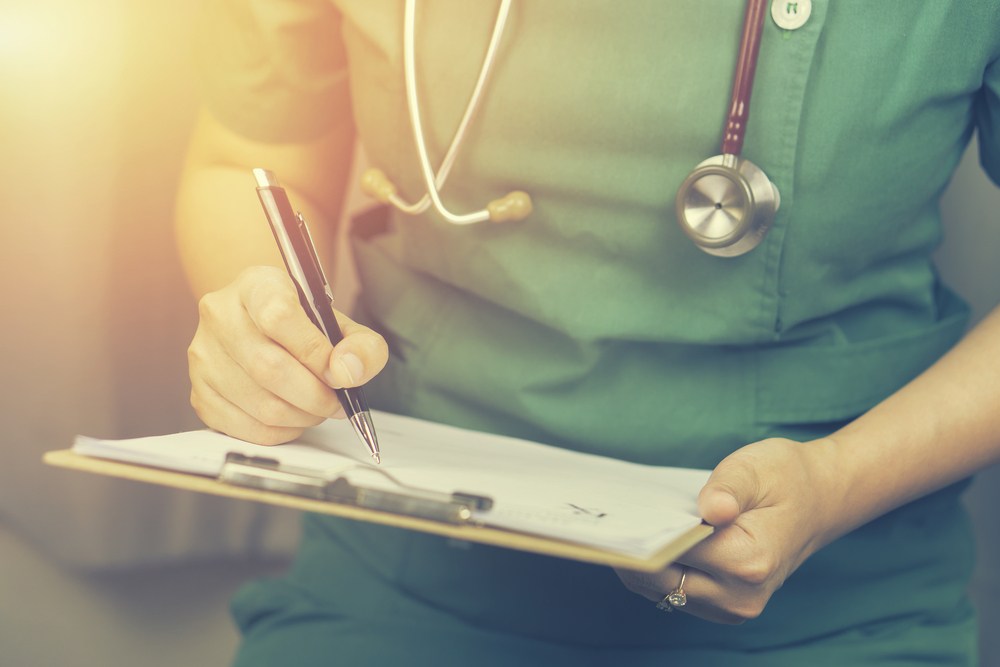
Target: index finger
column 272, row 303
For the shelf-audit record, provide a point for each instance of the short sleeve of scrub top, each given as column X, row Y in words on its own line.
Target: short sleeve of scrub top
column 274, row 70
column 597, row 311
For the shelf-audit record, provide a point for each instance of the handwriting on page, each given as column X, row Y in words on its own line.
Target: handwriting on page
column 569, row 514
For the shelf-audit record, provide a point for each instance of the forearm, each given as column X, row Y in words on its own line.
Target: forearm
column 220, row 225
column 938, row 429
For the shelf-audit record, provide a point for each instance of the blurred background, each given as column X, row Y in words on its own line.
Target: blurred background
column 96, row 100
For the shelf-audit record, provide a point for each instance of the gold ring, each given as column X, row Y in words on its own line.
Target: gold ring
column 676, row 597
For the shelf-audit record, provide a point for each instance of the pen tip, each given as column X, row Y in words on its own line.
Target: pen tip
column 362, row 422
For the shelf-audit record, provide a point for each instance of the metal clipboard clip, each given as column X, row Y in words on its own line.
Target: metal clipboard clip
column 269, row 474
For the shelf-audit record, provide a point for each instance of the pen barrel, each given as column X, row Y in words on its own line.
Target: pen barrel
column 352, row 400
column 320, row 312
column 323, row 317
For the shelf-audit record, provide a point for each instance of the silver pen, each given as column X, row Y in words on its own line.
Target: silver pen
column 302, row 262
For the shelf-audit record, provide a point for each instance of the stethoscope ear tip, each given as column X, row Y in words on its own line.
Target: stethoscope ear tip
column 512, row 207
column 377, row 185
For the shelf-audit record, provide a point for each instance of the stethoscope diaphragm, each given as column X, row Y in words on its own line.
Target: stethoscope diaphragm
column 726, row 205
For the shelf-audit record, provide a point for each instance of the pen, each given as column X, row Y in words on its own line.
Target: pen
column 302, row 262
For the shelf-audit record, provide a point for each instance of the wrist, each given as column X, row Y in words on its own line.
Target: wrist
column 832, row 480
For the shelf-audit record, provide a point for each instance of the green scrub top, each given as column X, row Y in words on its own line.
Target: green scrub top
column 596, row 324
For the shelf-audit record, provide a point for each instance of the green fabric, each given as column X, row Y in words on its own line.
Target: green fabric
column 372, row 601
column 597, row 310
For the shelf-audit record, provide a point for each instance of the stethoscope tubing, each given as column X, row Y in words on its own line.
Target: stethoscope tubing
column 435, row 182
column 726, row 205
column 746, row 67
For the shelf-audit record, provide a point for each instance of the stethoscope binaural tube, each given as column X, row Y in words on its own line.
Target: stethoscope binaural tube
column 514, row 205
column 727, row 204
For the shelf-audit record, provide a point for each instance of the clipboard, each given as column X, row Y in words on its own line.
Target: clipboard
column 263, row 480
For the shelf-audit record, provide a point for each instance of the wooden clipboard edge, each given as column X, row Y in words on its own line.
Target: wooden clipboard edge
column 66, row 458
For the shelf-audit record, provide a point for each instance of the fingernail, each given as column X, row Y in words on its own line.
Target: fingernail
column 352, row 367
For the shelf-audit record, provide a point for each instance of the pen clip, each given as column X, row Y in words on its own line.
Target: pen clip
column 307, row 241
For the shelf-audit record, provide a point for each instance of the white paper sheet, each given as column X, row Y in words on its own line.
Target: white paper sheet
column 606, row 503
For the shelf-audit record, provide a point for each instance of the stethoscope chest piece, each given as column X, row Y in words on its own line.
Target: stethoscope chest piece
column 726, row 205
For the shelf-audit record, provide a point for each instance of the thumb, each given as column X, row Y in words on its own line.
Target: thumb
column 358, row 357
column 731, row 490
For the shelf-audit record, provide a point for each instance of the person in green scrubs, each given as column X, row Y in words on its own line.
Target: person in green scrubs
column 825, row 376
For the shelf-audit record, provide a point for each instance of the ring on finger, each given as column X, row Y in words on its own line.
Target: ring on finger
column 676, row 597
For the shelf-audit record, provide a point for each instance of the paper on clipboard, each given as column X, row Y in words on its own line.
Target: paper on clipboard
column 608, row 504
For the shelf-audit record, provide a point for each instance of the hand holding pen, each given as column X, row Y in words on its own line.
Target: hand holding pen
column 261, row 370
column 302, row 262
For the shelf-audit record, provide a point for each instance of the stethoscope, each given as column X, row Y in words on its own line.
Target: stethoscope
column 726, row 205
